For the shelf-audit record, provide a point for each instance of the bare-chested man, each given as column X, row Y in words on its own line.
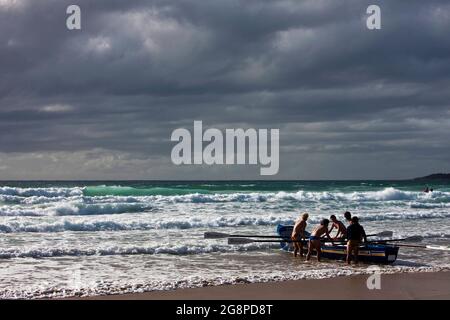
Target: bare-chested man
column 339, row 226
column 314, row 239
column 298, row 234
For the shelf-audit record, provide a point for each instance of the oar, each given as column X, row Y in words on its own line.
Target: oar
column 219, row 235
column 424, row 247
column 409, row 239
column 382, row 234
column 236, row 241
column 247, row 241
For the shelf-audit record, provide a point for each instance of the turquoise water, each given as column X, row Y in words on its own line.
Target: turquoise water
column 183, row 187
column 101, row 237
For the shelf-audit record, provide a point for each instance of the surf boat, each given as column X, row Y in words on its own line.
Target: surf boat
column 369, row 253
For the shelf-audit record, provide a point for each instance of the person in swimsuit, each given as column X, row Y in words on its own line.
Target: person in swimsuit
column 339, row 226
column 298, row 234
column 314, row 239
column 355, row 233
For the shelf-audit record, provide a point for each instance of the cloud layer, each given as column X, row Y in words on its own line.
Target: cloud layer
column 101, row 103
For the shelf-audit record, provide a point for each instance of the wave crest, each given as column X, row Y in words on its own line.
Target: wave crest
column 132, row 250
column 90, row 225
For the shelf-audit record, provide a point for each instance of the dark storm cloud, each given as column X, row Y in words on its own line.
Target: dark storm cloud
column 114, row 91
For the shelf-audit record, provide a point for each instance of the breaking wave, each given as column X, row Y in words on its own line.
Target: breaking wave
column 74, row 201
column 191, row 222
column 105, row 225
column 204, row 195
column 44, row 192
column 132, row 250
column 74, row 209
column 130, row 191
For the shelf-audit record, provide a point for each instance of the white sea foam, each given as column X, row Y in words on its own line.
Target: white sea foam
column 387, row 194
column 70, row 201
column 111, row 225
column 130, row 250
column 132, row 287
column 45, row 192
column 163, row 222
column 73, row 208
column 425, row 205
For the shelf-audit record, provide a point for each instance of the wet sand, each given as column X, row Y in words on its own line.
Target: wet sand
column 432, row 285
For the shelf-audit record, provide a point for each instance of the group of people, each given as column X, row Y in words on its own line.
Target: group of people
column 353, row 234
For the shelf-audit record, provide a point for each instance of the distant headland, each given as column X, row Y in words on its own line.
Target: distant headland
column 435, row 176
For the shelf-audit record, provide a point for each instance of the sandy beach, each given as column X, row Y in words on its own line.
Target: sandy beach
column 405, row 286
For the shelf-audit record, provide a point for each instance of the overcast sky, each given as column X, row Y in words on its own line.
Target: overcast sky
column 101, row 103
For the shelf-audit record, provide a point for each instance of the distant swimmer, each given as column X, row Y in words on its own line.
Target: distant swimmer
column 348, row 217
column 298, row 234
column 426, row 190
column 355, row 234
column 314, row 239
column 339, row 226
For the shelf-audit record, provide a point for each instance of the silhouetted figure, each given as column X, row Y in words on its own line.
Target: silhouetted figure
column 348, row 217
column 355, row 234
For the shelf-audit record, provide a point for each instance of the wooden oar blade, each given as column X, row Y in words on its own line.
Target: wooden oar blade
column 414, row 239
column 215, row 235
column 219, row 235
column 385, row 234
column 381, row 234
column 240, row 240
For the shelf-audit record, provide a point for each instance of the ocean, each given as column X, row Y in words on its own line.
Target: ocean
column 85, row 238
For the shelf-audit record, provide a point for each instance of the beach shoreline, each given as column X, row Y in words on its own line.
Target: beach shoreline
column 402, row 286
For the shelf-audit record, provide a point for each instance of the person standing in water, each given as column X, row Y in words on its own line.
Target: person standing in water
column 298, row 234
column 355, row 234
column 314, row 239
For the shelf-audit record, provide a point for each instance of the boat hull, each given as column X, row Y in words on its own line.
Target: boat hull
column 370, row 253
